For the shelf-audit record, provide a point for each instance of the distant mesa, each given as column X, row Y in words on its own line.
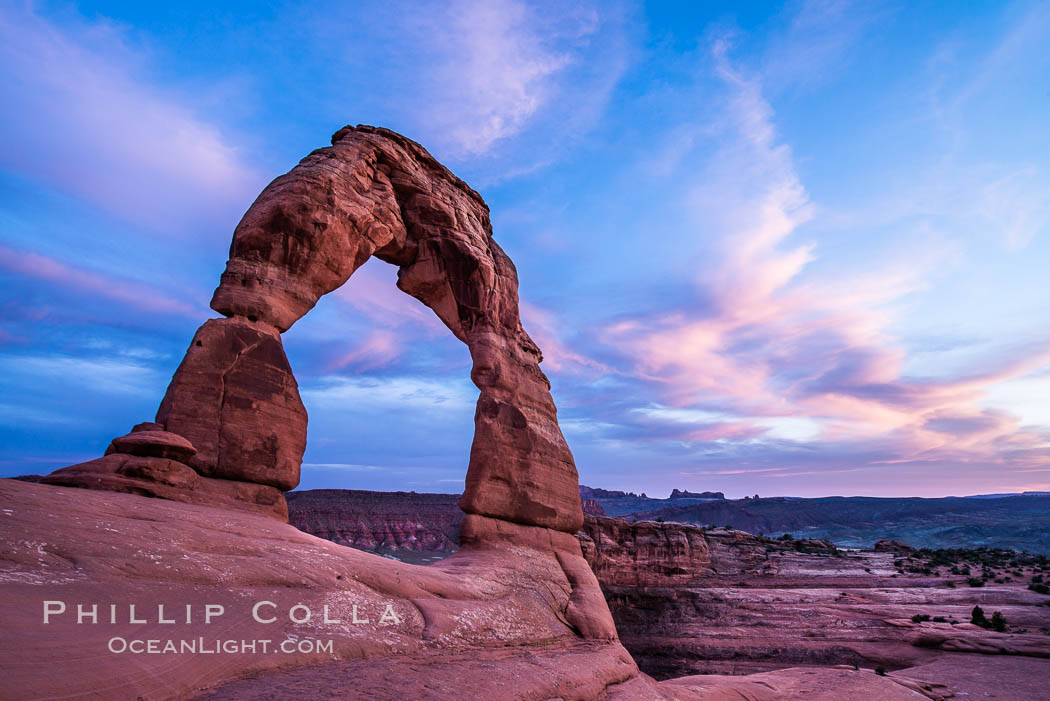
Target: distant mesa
column 685, row 494
column 599, row 493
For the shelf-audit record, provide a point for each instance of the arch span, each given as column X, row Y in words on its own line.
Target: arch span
column 372, row 192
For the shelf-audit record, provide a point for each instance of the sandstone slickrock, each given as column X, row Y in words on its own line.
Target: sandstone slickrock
column 720, row 600
column 168, row 479
column 520, row 592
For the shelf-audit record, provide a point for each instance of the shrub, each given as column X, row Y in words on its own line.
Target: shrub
column 881, row 671
column 999, row 622
column 920, row 617
column 975, row 582
column 1039, row 588
column 977, row 617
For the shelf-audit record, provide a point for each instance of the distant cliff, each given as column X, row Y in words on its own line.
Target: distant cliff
column 379, row 521
column 1014, row 522
column 644, row 554
column 617, row 503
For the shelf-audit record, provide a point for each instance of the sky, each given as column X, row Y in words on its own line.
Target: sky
column 785, row 249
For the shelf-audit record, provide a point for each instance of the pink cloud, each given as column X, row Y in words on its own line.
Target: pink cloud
column 379, row 348
column 543, row 326
column 773, row 339
column 82, row 117
column 127, row 292
column 372, row 290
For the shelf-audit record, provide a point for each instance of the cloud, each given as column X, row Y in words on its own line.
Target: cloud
column 350, row 467
column 496, row 71
column 126, row 292
column 543, row 326
column 471, row 80
column 372, row 290
column 1016, row 204
column 108, row 376
column 385, row 393
column 378, row 349
column 82, row 116
column 775, row 352
column 817, row 41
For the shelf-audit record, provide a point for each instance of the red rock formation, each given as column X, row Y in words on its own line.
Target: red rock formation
column 234, row 397
column 893, row 546
column 722, row 600
column 514, row 588
column 231, row 428
column 755, row 604
column 373, row 192
column 152, row 462
column 591, row 507
column 644, row 554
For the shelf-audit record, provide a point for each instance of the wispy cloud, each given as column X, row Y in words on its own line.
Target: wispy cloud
column 79, row 116
column 107, row 376
column 495, row 69
column 470, row 78
column 349, row 467
column 558, row 355
column 390, row 393
column 80, row 280
column 771, row 341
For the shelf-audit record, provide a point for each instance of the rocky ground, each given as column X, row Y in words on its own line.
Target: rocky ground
column 762, row 604
column 505, row 617
column 719, row 601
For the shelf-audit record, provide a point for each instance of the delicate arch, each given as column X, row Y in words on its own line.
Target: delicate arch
column 373, row 192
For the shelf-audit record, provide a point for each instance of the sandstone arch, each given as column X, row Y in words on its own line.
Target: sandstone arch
column 372, row 192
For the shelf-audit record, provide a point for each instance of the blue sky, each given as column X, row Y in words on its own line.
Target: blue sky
column 777, row 249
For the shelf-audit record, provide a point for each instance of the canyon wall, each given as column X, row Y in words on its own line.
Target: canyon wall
column 387, row 522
